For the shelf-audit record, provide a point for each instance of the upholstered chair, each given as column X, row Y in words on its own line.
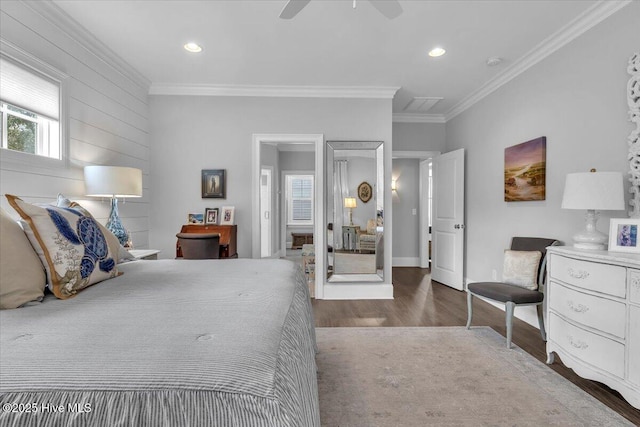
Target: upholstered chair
column 523, row 281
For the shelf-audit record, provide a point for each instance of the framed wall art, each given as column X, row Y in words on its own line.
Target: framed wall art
column 211, row 215
column 228, row 215
column 214, row 184
column 623, row 235
column 525, row 171
column 365, row 192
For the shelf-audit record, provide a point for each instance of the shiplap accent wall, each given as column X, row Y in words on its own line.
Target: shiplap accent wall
column 107, row 107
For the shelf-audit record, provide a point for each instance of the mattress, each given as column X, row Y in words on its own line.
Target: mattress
column 168, row 343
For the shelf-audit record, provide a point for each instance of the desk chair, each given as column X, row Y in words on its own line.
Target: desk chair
column 516, row 289
column 199, row 245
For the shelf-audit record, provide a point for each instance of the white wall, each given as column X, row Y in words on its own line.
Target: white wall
column 577, row 99
column 191, row 133
column 406, row 239
column 419, row 136
column 107, row 115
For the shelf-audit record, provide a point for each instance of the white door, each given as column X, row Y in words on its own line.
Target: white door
column 265, row 213
column 448, row 219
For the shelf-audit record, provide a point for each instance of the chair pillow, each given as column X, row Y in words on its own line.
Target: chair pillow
column 71, row 246
column 521, row 268
column 22, row 277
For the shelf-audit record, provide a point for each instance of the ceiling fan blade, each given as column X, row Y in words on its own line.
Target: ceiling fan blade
column 389, row 8
column 292, row 8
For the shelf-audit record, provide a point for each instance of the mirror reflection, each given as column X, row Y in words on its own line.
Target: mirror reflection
column 355, row 214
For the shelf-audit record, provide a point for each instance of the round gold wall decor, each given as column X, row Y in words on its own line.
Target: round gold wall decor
column 364, row 192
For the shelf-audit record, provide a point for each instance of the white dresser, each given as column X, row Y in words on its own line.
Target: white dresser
column 593, row 316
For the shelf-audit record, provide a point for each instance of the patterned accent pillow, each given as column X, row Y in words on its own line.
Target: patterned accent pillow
column 521, row 268
column 71, row 246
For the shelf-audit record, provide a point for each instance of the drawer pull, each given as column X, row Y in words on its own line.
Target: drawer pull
column 578, row 344
column 578, row 308
column 580, row 274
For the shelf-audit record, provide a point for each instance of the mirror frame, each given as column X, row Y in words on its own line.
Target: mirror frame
column 378, row 199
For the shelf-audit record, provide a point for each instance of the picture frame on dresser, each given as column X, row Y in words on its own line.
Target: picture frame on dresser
column 228, row 215
column 211, row 216
column 623, row 235
column 195, row 218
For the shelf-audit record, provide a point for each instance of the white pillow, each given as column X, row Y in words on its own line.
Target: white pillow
column 521, row 268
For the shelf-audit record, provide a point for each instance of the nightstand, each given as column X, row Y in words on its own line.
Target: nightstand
column 145, row 253
column 349, row 237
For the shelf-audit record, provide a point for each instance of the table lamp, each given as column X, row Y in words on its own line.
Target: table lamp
column 593, row 191
column 350, row 203
column 114, row 182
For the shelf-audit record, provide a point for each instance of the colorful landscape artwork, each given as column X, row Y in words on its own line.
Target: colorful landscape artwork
column 525, row 167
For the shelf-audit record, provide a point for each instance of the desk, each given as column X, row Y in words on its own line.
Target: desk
column 349, row 237
column 228, row 238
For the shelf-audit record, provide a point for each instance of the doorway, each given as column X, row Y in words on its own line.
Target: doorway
column 267, row 144
column 266, row 196
column 423, row 204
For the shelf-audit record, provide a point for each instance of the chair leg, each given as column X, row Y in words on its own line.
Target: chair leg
column 469, row 308
column 543, row 332
column 510, row 306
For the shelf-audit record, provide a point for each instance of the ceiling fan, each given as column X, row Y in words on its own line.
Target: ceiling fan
column 389, row 8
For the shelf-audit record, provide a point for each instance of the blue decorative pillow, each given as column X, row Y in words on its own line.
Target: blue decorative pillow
column 71, row 246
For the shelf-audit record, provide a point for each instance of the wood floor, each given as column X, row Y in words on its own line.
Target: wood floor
column 420, row 302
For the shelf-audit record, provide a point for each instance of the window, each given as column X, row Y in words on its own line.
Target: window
column 29, row 111
column 300, row 199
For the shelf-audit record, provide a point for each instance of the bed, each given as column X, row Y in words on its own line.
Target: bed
column 167, row 343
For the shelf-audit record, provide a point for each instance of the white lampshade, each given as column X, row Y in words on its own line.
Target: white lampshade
column 113, row 181
column 594, row 190
column 349, row 202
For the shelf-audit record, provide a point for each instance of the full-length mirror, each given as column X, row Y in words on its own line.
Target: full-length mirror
column 355, row 211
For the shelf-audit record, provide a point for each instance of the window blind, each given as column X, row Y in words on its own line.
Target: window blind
column 28, row 89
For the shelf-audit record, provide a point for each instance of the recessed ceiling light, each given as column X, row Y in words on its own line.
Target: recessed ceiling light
column 193, row 47
column 436, row 51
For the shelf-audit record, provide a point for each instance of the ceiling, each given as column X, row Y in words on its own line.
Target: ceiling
column 329, row 44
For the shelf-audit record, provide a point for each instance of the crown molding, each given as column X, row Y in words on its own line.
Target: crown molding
column 418, row 118
column 65, row 23
column 588, row 19
column 373, row 92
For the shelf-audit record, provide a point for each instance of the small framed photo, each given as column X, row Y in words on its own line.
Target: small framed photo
column 623, row 235
column 228, row 215
column 211, row 215
column 214, row 184
column 195, row 218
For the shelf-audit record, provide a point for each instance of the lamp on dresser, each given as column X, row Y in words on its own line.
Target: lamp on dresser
column 593, row 191
column 113, row 182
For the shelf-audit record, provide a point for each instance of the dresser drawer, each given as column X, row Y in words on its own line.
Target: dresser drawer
column 591, row 348
column 605, row 278
column 634, row 286
column 599, row 313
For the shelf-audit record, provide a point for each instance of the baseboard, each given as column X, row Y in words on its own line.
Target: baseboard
column 405, row 262
column 350, row 291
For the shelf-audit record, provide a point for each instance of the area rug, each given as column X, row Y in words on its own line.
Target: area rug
column 443, row 376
